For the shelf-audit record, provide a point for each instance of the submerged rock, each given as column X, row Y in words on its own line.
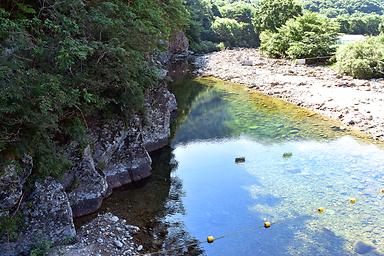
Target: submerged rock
column 363, row 247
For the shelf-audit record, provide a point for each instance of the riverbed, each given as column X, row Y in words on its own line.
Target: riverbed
column 296, row 161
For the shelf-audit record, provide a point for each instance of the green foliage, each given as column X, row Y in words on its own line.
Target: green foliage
column 359, row 23
column 221, row 21
column 234, row 33
column 41, row 249
column 79, row 60
column 334, row 8
column 273, row 14
column 205, row 47
column 362, row 59
column 9, row 226
column 310, row 35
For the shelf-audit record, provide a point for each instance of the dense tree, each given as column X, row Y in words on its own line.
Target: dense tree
column 273, row 14
column 64, row 62
column 310, row 35
column 334, row 8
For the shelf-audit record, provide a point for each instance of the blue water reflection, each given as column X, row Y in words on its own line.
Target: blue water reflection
column 328, row 166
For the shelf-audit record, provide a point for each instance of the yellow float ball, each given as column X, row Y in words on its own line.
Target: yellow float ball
column 210, row 239
column 267, row 224
column 321, row 210
column 352, row 200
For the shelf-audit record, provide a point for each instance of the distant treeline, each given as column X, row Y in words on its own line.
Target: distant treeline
column 226, row 23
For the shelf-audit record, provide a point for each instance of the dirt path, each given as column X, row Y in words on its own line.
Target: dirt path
column 357, row 103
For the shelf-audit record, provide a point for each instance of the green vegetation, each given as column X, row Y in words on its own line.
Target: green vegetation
column 362, row 59
column 63, row 63
column 355, row 16
column 41, row 249
column 273, row 14
column 306, row 36
column 217, row 24
column 9, row 226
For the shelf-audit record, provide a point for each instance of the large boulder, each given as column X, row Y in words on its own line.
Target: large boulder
column 12, row 179
column 131, row 161
column 178, row 43
column 159, row 105
column 88, row 188
column 47, row 218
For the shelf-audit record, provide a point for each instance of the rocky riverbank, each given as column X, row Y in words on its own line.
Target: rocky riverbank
column 356, row 103
column 118, row 154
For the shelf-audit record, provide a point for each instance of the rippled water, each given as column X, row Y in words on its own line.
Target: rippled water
column 198, row 190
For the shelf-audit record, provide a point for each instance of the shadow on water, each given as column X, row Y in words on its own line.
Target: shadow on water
column 197, row 190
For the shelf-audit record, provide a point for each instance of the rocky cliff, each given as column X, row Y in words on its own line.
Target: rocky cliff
column 118, row 154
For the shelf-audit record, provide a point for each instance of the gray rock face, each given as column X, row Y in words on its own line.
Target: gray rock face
column 12, row 179
column 159, row 104
column 89, row 187
column 47, row 217
column 131, row 161
column 179, row 43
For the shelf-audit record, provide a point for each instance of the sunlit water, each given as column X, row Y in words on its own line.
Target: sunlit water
column 207, row 193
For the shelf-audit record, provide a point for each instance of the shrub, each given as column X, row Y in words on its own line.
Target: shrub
column 363, row 59
column 310, row 35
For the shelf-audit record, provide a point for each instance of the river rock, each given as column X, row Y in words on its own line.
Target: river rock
column 102, row 236
column 363, row 247
column 12, row 179
column 89, row 186
column 159, row 105
column 47, row 218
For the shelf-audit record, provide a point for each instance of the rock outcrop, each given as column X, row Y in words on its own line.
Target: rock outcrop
column 118, row 154
column 12, row 179
column 47, row 218
column 159, row 104
column 88, row 187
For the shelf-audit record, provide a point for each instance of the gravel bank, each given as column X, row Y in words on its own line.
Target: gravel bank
column 356, row 103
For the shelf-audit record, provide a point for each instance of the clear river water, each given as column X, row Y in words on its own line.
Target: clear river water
column 197, row 189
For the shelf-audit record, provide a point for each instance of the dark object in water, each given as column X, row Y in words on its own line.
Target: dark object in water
column 287, row 155
column 240, row 160
column 294, row 171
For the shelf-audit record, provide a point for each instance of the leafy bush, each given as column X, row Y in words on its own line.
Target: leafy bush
column 363, row 59
column 310, row 35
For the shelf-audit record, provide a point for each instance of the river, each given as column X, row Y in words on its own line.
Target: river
column 295, row 163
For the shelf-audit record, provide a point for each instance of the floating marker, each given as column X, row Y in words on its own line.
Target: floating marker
column 382, row 191
column 239, row 160
column 352, row 200
column 210, row 239
column 267, row 224
column 321, row 210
